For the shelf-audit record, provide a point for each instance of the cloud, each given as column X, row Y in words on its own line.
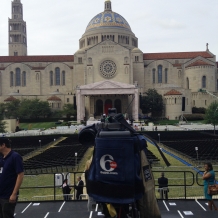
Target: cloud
column 169, row 24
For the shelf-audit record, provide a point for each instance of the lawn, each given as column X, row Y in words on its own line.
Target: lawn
column 41, row 125
column 39, row 187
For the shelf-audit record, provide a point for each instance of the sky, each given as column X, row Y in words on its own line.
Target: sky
column 54, row 27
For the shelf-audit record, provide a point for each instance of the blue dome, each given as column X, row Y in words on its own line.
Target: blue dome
column 108, row 19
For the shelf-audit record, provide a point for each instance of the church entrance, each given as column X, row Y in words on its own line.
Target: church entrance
column 99, row 107
column 117, row 105
column 107, row 104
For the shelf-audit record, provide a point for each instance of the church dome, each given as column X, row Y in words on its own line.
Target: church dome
column 108, row 19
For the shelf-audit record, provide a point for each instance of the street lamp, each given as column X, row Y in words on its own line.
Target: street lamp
column 214, row 115
column 196, row 149
column 40, row 144
column 159, row 137
column 75, row 159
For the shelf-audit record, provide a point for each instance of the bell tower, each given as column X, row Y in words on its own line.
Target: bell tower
column 107, row 5
column 17, row 35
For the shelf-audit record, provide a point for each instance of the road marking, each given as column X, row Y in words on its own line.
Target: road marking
column 46, row 215
column 61, row 207
column 90, row 216
column 200, row 205
column 180, row 214
column 166, row 206
column 26, row 208
column 96, row 208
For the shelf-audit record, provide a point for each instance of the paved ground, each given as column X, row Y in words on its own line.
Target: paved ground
column 78, row 209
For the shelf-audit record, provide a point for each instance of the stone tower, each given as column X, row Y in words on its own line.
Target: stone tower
column 17, row 44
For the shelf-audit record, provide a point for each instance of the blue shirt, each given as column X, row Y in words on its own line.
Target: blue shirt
column 10, row 166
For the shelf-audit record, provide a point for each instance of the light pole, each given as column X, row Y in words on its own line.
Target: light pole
column 40, row 144
column 196, row 149
column 159, row 137
column 214, row 115
column 75, row 159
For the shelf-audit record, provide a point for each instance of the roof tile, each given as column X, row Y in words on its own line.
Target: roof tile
column 199, row 63
column 173, row 92
column 176, row 55
column 54, row 98
column 11, row 98
column 47, row 58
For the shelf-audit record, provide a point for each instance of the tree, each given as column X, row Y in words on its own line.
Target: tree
column 212, row 114
column 34, row 108
column 2, row 126
column 2, row 110
column 68, row 110
column 152, row 102
column 12, row 109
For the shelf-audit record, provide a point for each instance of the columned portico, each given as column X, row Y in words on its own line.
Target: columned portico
column 105, row 88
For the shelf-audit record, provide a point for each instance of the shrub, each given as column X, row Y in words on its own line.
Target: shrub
column 198, row 110
column 192, row 117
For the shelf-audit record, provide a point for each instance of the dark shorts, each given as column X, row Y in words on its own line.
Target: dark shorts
column 6, row 209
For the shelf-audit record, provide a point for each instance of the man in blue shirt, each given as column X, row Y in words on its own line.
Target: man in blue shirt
column 11, row 177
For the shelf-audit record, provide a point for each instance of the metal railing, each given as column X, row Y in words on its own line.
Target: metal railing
column 48, row 187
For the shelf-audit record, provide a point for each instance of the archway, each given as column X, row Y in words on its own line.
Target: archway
column 117, row 105
column 99, row 107
column 108, row 104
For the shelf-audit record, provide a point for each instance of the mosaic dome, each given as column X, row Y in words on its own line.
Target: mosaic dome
column 108, row 19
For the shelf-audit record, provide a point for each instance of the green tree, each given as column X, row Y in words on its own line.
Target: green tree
column 34, row 108
column 2, row 111
column 152, row 102
column 211, row 115
column 68, row 110
column 12, row 109
column 2, row 126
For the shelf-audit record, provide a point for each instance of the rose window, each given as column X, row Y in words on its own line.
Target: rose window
column 108, row 69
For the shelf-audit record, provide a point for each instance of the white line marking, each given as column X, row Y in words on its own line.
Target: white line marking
column 180, row 214
column 166, row 205
column 46, row 215
column 26, row 207
column 61, row 207
column 200, row 205
column 96, row 208
column 90, row 216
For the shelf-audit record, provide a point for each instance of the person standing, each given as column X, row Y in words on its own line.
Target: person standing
column 163, row 187
column 11, row 177
column 79, row 188
column 209, row 179
column 66, row 190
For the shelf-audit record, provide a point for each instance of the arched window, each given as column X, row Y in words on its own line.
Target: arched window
column 57, row 76
column 153, row 75
column 159, row 74
column 24, row 78
column 187, row 83
column 37, row 77
column 51, row 78
column 11, row 78
column 63, row 78
column 193, row 102
column 166, row 75
column 204, row 82
column 17, row 77
column 175, row 100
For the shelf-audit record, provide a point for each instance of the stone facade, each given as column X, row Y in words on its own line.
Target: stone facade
column 108, row 51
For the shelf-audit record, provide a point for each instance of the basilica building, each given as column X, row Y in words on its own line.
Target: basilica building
column 108, row 70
